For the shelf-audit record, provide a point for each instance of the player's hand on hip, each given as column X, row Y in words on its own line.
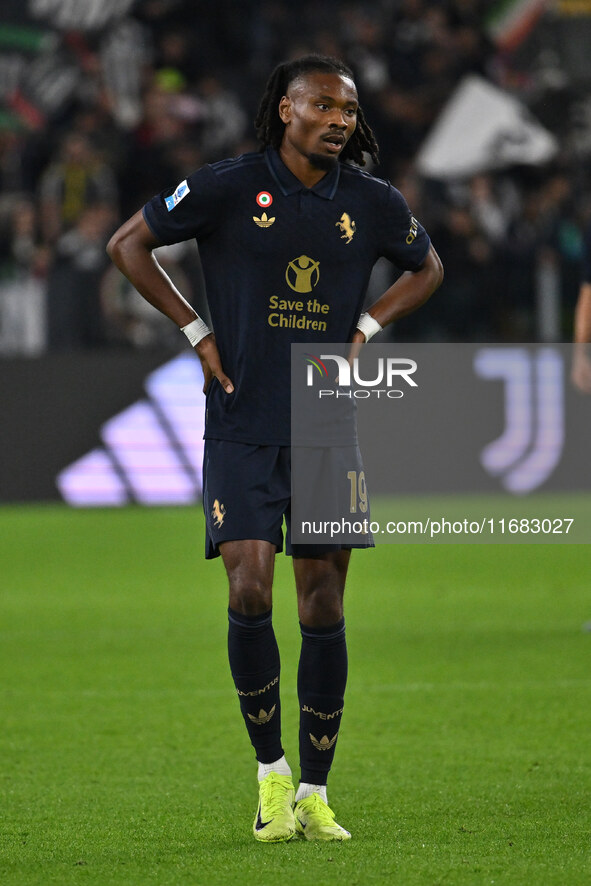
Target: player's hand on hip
column 357, row 342
column 581, row 372
column 207, row 351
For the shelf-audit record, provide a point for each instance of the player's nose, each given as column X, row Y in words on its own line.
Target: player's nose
column 339, row 121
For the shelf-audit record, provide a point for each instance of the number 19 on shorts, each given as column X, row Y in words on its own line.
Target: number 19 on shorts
column 358, row 498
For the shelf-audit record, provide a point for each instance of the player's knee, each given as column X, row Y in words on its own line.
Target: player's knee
column 250, row 596
column 320, row 607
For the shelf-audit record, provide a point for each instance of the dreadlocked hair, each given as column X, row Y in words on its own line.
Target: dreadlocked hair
column 269, row 126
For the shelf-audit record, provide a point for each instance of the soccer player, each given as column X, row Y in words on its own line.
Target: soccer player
column 288, row 237
column 581, row 370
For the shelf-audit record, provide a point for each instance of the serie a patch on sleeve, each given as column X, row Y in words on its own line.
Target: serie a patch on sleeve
column 181, row 192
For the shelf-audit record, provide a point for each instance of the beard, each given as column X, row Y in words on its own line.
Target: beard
column 326, row 162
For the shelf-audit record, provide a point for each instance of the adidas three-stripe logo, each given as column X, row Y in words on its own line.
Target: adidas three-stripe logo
column 152, row 452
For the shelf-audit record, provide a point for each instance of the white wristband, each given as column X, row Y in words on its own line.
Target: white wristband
column 368, row 325
column 196, row 330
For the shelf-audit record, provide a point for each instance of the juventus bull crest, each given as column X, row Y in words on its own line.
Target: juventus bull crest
column 347, row 226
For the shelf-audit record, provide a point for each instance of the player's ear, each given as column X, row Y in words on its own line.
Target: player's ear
column 285, row 109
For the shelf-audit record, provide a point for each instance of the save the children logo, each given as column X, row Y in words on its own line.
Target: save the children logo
column 302, row 273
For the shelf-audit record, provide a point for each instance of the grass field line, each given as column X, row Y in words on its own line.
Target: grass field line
column 376, row 689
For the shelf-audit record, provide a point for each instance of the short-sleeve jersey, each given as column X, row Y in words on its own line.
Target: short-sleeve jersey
column 282, row 263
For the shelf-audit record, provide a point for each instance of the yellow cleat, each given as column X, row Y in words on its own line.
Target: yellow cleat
column 315, row 820
column 274, row 821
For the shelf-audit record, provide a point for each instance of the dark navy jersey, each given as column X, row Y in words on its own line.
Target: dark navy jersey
column 282, row 263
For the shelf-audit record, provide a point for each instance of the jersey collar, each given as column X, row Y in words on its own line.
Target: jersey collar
column 290, row 184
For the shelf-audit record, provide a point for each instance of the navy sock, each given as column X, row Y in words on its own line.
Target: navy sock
column 254, row 663
column 322, row 677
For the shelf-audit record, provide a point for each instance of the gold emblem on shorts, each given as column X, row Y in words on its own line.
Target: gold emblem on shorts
column 263, row 716
column 218, row 512
column 347, row 226
column 325, row 742
column 263, row 221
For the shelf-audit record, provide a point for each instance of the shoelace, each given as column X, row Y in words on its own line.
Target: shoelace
column 273, row 797
column 316, row 804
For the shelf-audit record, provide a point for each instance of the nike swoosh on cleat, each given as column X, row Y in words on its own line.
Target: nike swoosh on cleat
column 301, row 822
column 261, row 824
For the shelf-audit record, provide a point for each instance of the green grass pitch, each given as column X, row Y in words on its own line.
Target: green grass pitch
column 464, row 757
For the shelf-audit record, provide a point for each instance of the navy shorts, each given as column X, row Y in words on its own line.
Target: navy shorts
column 247, row 494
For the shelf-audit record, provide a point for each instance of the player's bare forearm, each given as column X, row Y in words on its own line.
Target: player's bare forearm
column 410, row 291
column 130, row 248
column 583, row 315
column 581, row 369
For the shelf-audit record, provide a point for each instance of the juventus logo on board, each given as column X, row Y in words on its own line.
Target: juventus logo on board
column 530, row 447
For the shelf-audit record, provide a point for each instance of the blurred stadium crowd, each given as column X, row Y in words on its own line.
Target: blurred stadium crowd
column 105, row 102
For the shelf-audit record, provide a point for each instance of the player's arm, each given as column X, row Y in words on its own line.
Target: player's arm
column 581, row 371
column 130, row 248
column 411, row 290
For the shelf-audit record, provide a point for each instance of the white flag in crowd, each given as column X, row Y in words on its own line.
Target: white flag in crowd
column 483, row 128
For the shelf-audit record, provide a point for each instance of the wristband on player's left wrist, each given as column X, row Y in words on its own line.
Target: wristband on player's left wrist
column 196, row 330
column 368, row 325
